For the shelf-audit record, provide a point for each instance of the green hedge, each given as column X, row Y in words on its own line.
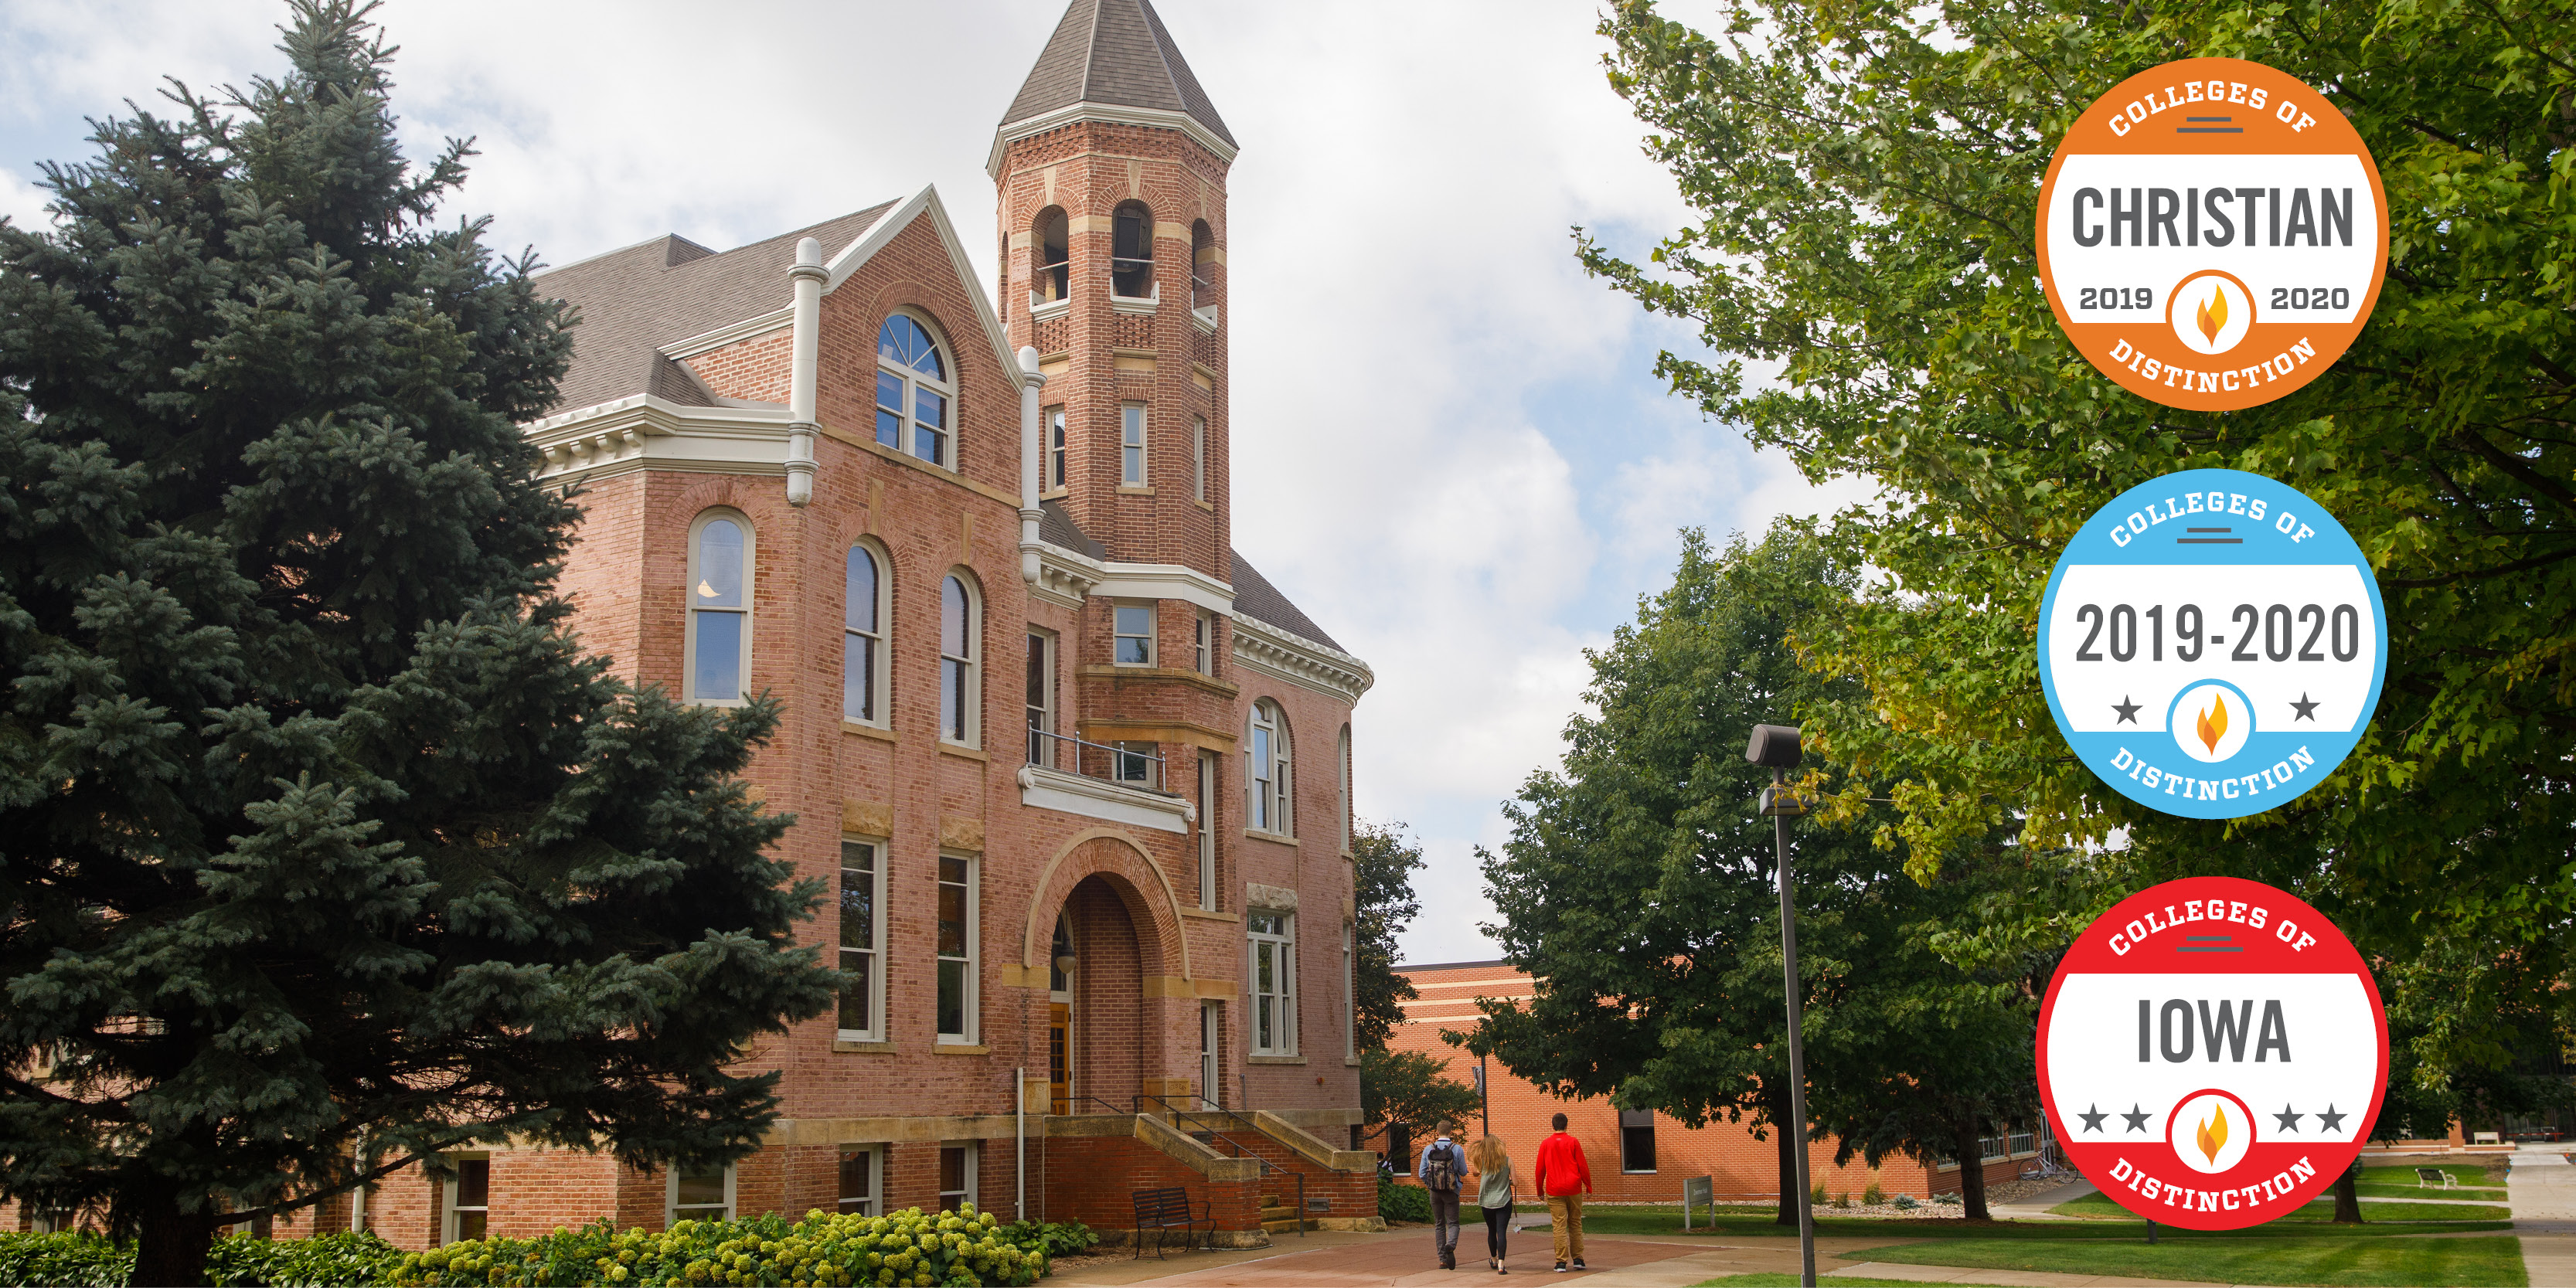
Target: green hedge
column 910, row 1247
column 1402, row 1202
column 80, row 1259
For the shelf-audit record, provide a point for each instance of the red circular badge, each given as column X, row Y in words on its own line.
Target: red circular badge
column 2212, row 1053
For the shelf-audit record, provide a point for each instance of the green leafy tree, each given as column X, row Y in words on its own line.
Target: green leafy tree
column 1412, row 1088
column 1865, row 181
column 323, row 848
column 1639, row 888
column 1383, row 861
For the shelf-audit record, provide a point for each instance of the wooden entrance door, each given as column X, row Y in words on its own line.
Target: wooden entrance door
column 1060, row 1056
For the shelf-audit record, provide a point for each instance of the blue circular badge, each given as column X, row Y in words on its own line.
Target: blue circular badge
column 2212, row 643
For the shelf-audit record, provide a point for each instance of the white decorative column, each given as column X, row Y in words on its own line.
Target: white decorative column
column 805, row 348
column 1032, row 461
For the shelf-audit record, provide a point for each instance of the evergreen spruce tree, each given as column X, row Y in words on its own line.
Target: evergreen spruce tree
column 323, row 848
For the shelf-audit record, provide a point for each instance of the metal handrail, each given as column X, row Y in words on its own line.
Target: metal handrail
column 1112, row 753
column 1178, row 1112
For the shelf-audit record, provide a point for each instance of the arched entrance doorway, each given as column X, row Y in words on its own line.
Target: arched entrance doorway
column 1096, row 1012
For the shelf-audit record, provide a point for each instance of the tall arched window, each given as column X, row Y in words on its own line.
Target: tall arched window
column 1202, row 265
column 960, row 659
column 1131, row 251
column 719, row 643
column 863, row 621
column 914, row 392
column 1269, row 783
column 1050, row 250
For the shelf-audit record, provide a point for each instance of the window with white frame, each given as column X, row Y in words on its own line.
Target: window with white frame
column 862, row 940
column 469, row 1200
column 863, row 614
column 1637, row 1141
column 1136, row 762
column 1274, row 980
column 862, row 1179
column 1342, row 772
column 698, row 1194
column 1207, row 832
column 1268, row 780
column 1055, row 449
column 1203, row 643
column 1041, row 698
column 1132, row 628
column 961, row 626
column 957, row 1175
column 1350, row 994
column 719, row 643
column 914, row 393
column 1198, row 457
column 956, row 949
column 1131, row 444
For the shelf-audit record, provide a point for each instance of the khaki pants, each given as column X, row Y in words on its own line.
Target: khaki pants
column 1565, row 1221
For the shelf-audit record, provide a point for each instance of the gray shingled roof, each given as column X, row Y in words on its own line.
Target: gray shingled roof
column 1114, row 52
column 1057, row 528
column 636, row 300
column 1256, row 598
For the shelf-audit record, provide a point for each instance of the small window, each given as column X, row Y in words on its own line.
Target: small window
column 1055, row 448
column 1203, row 645
column 1198, row 457
column 1274, row 981
column 719, row 643
column 863, row 638
column 956, row 957
column 1636, row 1141
column 469, row 1200
column 957, row 1176
column 1041, row 698
column 1269, row 784
column 1133, row 628
column 862, row 1179
column 913, row 390
column 1054, row 262
column 1131, row 251
column 1207, row 832
column 862, row 939
column 699, row 1194
column 960, row 683
column 1136, row 762
column 1344, row 776
column 1131, row 444
column 1202, row 265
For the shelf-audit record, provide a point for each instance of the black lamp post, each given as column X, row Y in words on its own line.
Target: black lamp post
column 1775, row 747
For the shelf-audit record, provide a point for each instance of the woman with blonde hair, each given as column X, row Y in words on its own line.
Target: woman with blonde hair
column 1493, row 1165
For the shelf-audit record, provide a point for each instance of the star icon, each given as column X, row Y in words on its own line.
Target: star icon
column 2093, row 1117
column 2289, row 1121
column 2128, row 710
column 2331, row 1120
column 2137, row 1117
column 2307, row 709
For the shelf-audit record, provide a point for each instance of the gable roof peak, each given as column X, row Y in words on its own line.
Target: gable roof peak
column 1114, row 53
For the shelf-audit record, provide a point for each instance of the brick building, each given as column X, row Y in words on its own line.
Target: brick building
column 1643, row 1157
column 1080, row 774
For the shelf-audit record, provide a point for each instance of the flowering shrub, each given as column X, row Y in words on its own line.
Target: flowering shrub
column 1054, row 1238
column 84, row 1259
column 910, row 1247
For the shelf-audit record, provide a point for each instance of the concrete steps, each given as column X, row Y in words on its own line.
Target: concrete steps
column 1279, row 1218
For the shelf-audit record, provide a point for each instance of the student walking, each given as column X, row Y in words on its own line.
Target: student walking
column 1494, row 1195
column 1563, row 1179
column 1443, row 1164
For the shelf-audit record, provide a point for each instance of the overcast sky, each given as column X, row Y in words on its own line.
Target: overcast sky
column 1449, row 447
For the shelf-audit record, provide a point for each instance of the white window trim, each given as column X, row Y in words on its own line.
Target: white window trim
column 1153, row 627
column 974, row 951
column 882, row 699
column 876, row 977
column 447, row 1193
column 1278, row 817
column 1198, row 458
column 946, row 389
column 1052, row 424
column 1207, row 780
column 1655, row 1149
column 1143, row 446
column 1048, row 711
column 974, row 659
column 876, row 1177
column 671, row 1195
column 750, row 597
column 1284, row 960
column 974, row 1172
column 1204, row 646
column 1350, row 992
column 1343, row 769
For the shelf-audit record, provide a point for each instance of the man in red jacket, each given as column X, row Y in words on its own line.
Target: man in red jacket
column 1564, row 1178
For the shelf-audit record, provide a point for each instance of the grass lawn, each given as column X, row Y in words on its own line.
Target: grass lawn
column 2474, row 1182
column 2102, row 1208
column 2345, row 1257
column 1792, row 1281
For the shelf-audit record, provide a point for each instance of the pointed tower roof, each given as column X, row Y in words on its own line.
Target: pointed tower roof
column 1113, row 54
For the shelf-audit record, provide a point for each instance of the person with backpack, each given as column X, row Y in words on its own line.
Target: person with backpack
column 1494, row 1195
column 1444, row 1166
column 1563, row 1179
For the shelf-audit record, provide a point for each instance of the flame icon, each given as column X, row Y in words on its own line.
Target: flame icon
column 2213, row 1139
column 2212, row 316
column 2211, row 730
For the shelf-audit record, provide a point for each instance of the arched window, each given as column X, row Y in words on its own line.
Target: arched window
column 719, row 643
column 1051, row 252
column 960, row 659
column 914, row 393
column 1269, row 784
column 863, row 623
column 1131, row 251
column 1202, row 265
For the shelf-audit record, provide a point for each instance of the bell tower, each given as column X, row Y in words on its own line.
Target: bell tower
column 1110, row 167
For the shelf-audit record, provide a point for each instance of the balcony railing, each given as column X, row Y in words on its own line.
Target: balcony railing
column 1109, row 762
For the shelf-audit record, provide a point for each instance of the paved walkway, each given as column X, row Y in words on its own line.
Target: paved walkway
column 2035, row 1207
column 2542, row 1188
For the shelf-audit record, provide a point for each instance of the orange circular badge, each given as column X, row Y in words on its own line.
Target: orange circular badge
column 2212, row 234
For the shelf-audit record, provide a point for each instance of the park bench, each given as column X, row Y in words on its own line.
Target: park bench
column 2434, row 1178
column 1163, row 1211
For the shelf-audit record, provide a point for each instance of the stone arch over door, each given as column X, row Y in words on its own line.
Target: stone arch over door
column 1140, row 884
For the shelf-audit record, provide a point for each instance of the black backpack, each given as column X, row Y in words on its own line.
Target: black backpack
column 1440, row 1170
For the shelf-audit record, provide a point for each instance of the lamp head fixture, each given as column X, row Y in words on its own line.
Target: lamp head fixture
column 1064, row 963
column 1773, row 746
